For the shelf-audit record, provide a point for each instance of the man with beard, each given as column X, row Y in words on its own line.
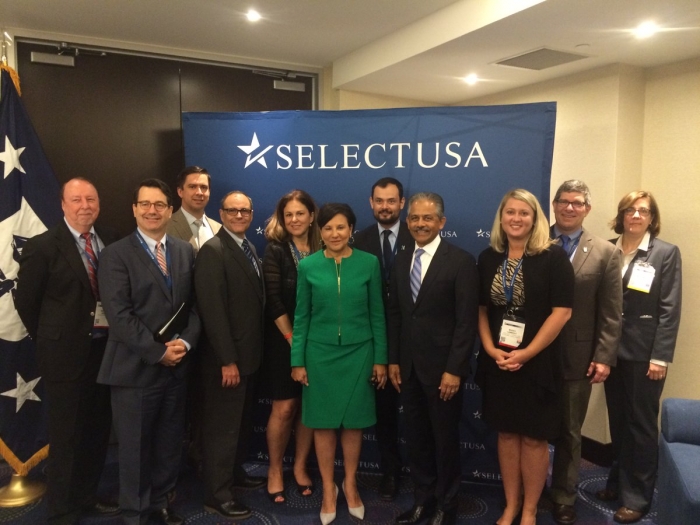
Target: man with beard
column 384, row 239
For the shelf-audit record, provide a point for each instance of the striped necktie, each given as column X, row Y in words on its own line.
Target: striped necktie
column 416, row 273
column 249, row 253
column 91, row 264
column 160, row 257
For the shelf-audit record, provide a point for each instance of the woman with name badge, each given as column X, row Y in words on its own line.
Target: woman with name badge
column 339, row 351
column 651, row 314
column 527, row 288
column 292, row 235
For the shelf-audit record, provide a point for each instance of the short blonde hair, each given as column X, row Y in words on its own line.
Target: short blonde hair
column 539, row 235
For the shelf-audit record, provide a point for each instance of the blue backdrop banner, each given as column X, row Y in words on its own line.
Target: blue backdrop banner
column 471, row 156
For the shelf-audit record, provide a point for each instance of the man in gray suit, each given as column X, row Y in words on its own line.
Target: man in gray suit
column 145, row 280
column 190, row 223
column 590, row 338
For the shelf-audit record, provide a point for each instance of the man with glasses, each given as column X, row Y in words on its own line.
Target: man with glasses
column 590, row 338
column 190, row 223
column 231, row 301
column 146, row 285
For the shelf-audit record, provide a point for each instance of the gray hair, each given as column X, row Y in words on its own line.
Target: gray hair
column 429, row 196
column 574, row 185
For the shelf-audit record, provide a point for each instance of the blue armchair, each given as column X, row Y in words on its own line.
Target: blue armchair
column 679, row 463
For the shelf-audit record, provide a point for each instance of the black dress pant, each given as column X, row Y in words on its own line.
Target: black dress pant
column 387, row 429
column 432, row 433
column 80, row 418
column 633, row 410
column 227, row 416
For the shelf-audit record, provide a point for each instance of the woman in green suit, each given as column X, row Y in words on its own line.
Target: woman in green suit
column 339, row 350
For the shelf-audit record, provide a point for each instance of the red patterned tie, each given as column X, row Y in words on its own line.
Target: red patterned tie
column 91, row 264
column 161, row 259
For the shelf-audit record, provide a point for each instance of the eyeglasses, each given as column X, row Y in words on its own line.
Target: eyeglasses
column 232, row 212
column 577, row 205
column 146, row 205
column 643, row 212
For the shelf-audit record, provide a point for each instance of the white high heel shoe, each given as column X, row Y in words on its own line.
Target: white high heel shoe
column 329, row 517
column 357, row 512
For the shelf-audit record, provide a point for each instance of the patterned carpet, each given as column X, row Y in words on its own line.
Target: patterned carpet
column 478, row 503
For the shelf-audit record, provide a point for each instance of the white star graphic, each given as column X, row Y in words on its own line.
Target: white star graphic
column 23, row 391
column 255, row 144
column 259, row 230
column 477, row 415
column 480, row 233
column 261, row 455
column 475, row 473
column 11, row 157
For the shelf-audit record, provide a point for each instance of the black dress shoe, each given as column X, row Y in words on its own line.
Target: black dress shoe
column 230, row 509
column 250, row 482
column 415, row 514
column 166, row 516
column 102, row 509
column 444, row 517
column 564, row 514
column 389, row 486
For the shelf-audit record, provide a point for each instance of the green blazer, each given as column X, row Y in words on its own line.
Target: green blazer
column 349, row 313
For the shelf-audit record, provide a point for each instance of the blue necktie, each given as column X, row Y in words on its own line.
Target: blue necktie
column 565, row 243
column 387, row 252
column 415, row 273
column 249, row 253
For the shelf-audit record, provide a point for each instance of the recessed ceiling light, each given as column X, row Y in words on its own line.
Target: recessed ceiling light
column 253, row 15
column 645, row 30
column 471, row 79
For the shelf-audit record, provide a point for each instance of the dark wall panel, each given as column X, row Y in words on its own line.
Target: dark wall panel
column 116, row 119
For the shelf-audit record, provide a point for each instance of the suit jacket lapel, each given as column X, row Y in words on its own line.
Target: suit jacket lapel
column 151, row 266
column 72, row 254
column 584, row 249
column 432, row 272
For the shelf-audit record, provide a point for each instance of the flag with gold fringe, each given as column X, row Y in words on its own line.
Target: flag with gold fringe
column 29, row 204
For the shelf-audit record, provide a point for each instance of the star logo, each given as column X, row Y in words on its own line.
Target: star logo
column 11, row 157
column 477, row 415
column 261, row 455
column 259, row 230
column 480, row 233
column 23, row 392
column 248, row 150
column 475, row 473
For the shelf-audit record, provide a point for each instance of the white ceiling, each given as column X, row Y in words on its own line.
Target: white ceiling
column 416, row 49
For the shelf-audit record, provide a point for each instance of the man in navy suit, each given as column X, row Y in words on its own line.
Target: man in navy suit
column 385, row 239
column 433, row 315
column 56, row 299
column 145, row 279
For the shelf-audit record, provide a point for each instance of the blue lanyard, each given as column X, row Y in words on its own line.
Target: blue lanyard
column 508, row 288
column 168, row 278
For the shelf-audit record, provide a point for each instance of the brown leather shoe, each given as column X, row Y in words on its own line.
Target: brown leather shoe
column 564, row 514
column 607, row 495
column 625, row 515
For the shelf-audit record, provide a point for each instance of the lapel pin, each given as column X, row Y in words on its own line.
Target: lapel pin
column 585, row 249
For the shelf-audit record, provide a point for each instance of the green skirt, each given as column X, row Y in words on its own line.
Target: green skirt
column 340, row 393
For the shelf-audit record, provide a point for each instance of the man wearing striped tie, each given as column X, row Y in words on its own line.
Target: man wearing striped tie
column 433, row 307
column 57, row 296
column 146, row 284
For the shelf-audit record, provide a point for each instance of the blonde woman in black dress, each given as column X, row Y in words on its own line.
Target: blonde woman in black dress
column 292, row 235
column 527, row 288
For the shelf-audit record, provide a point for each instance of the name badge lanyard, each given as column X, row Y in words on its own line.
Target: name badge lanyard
column 168, row 278
column 509, row 287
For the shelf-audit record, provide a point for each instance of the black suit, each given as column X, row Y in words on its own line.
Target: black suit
column 387, row 399
column 231, row 299
column 433, row 336
column 56, row 304
column 148, row 398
